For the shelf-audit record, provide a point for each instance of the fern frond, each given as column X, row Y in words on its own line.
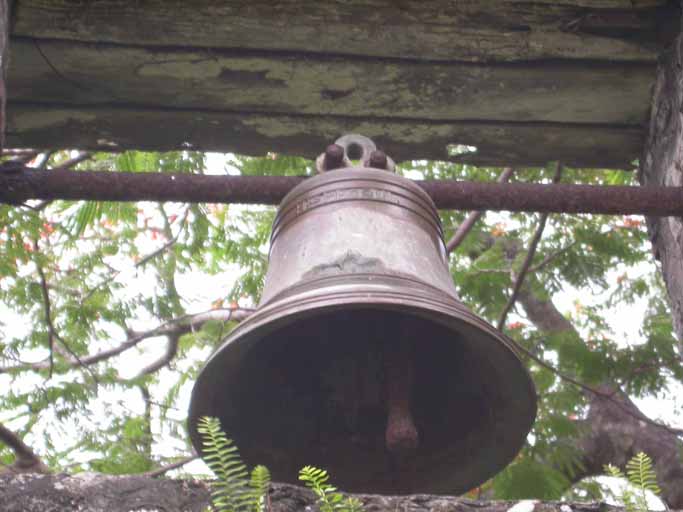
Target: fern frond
column 329, row 500
column 354, row 505
column 231, row 493
column 613, row 471
column 260, row 482
column 641, row 473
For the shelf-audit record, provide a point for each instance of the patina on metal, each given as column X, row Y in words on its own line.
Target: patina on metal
column 361, row 359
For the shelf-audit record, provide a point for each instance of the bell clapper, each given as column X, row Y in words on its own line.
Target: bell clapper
column 401, row 435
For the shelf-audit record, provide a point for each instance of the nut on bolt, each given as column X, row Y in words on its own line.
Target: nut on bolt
column 378, row 160
column 334, row 157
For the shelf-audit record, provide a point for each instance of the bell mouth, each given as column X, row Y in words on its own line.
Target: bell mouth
column 302, row 382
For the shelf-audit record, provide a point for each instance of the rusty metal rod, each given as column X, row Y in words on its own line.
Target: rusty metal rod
column 20, row 184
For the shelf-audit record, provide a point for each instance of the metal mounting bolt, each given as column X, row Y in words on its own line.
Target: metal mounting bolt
column 334, row 157
column 378, row 160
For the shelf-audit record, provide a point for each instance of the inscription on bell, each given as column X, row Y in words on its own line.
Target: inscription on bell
column 347, row 194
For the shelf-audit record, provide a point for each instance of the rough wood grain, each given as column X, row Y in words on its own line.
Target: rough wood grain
column 662, row 164
column 98, row 493
column 239, row 81
column 5, row 6
column 525, row 82
column 114, row 127
column 469, row 30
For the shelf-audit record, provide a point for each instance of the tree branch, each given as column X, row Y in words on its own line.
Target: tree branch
column 44, row 159
column 529, row 258
column 550, row 257
column 71, row 162
column 472, row 218
column 26, row 460
column 545, row 315
column 170, row 467
column 24, row 184
column 615, row 429
column 17, row 151
column 175, row 327
column 170, row 352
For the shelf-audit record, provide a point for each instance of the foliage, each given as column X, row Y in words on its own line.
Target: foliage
column 641, row 475
column 329, row 499
column 112, row 396
column 234, row 491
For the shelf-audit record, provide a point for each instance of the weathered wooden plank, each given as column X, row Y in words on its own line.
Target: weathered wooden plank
column 468, row 30
column 77, row 73
column 501, row 143
column 5, row 6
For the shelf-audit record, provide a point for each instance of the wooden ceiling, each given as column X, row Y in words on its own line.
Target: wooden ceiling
column 523, row 82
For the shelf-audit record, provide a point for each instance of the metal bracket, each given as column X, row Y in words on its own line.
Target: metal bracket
column 353, row 147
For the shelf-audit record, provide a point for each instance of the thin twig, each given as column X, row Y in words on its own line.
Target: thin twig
column 67, row 165
column 148, row 438
column 172, row 239
column 17, row 151
column 467, row 225
column 535, row 268
column 71, row 162
column 144, row 260
column 51, row 331
column 165, row 469
column 590, row 389
column 550, row 257
column 157, row 252
column 519, row 281
column 171, row 350
column 44, row 159
column 545, row 322
column 24, row 158
column 47, row 308
column 77, row 358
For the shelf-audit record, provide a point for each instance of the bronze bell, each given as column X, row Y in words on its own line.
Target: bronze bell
column 360, row 358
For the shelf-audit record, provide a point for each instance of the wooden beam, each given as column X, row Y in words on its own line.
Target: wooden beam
column 22, row 184
column 4, row 58
column 523, row 82
column 80, row 74
column 467, row 30
column 497, row 143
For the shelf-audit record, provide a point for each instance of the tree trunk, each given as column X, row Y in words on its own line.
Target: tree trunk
column 614, row 429
column 662, row 164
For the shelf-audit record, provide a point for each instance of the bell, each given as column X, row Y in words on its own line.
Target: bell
column 360, row 358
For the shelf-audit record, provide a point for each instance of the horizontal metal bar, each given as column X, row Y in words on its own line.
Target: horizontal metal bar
column 21, row 184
